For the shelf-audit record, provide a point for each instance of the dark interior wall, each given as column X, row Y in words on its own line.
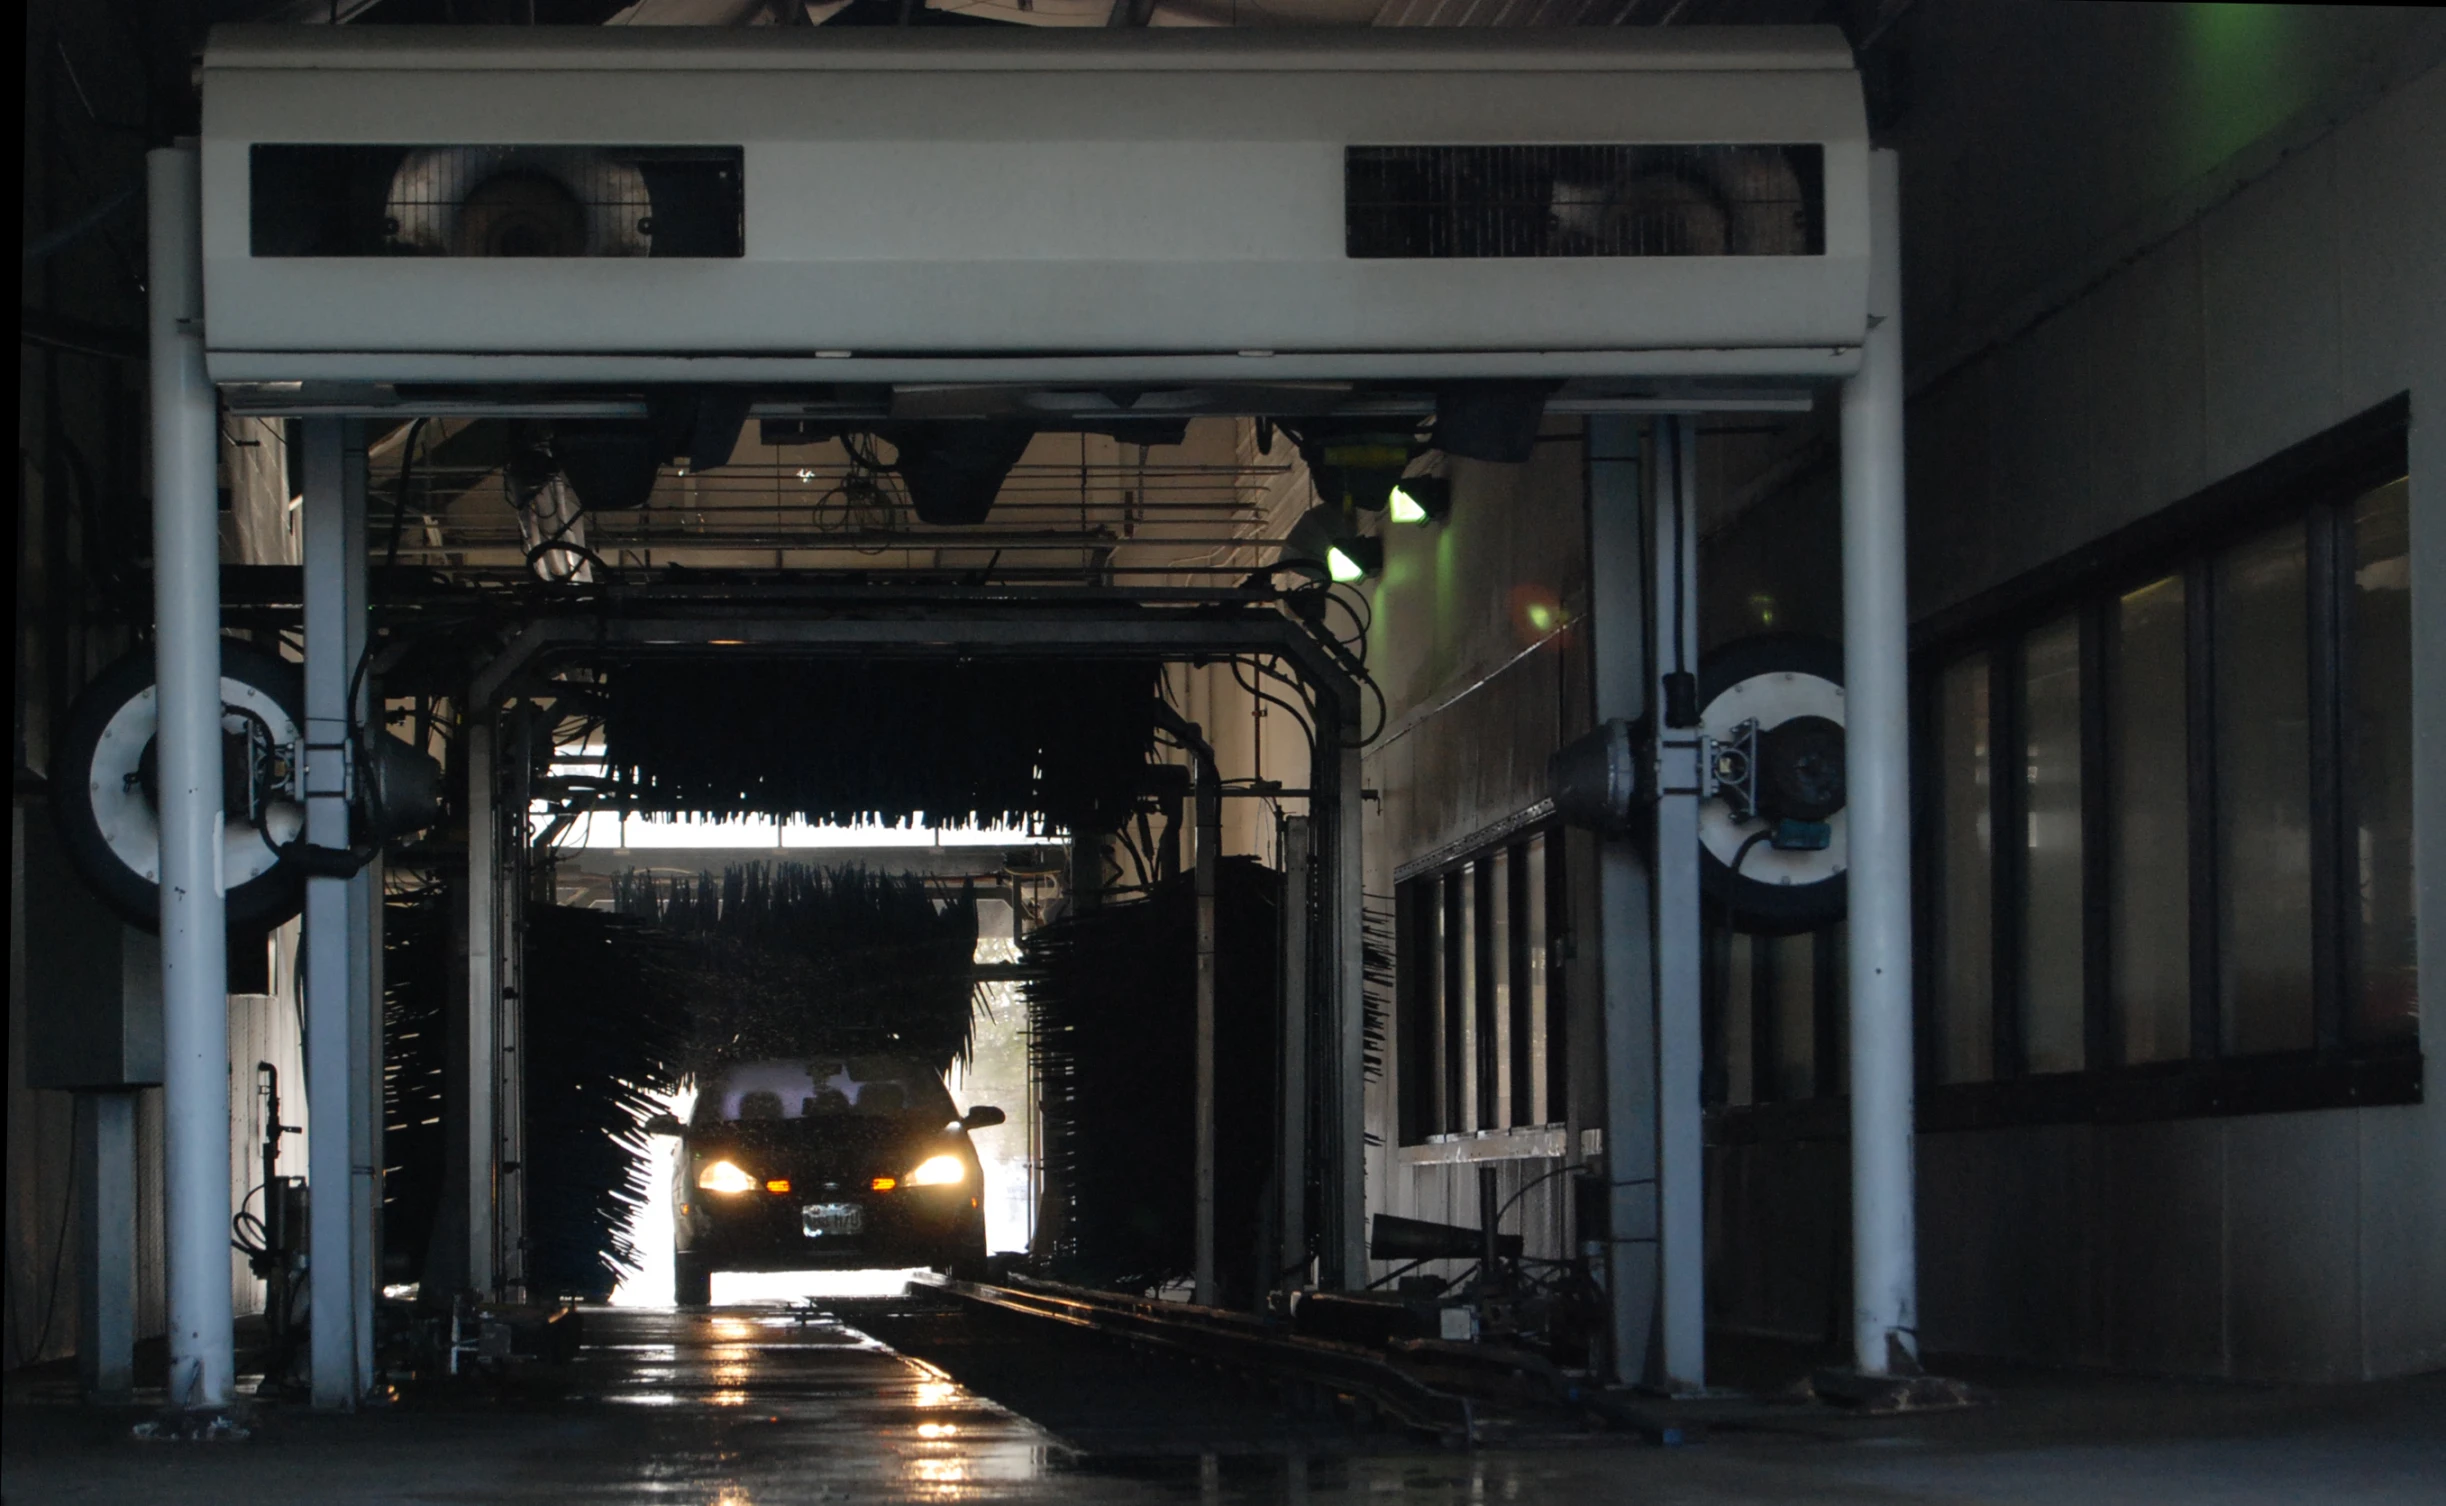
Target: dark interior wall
column 89, row 112
column 1776, row 568
column 1480, row 643
column 2118, row 296
column 1476, row 647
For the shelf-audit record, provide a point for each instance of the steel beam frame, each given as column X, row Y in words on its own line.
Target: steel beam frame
column 1094, row 630
column 342, row 1035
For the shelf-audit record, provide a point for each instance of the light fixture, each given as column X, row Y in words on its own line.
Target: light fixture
column 882, row 1184
column 939, row 1171
column 777, row 1184
column 1326, row 537
column 1421, row 499
column 724, row 1177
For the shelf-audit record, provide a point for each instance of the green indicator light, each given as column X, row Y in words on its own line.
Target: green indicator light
column 1406, row 508
column 1342, row 567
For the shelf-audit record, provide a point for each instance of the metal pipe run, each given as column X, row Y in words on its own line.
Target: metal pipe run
column 1877, row 751
column 333, row 1088
column 194, row 913
column 1291, row 1133
column 1210, row 842
column 483, row 979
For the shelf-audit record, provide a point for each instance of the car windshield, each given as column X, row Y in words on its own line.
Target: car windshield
column 826, row 1087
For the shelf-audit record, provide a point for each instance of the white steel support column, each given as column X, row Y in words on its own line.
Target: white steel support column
column 1618, row 598
column 194, row 913
column 364, row 934
column 334, row 597
column 483, row 997
column 1680, row 1148
column 1876, row 673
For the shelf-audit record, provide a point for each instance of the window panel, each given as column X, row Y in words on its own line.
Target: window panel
column 2262, row 696
column 1739, row 1002
column 1455, row 1011
column 2149, row 869
column 1529, row 980
column 2386, row 1006
column 1469, row 1102
column 1495, row 988
column 2052, row 1019
column 1965, row 877
column 1834, row 1005
column 1793, row 966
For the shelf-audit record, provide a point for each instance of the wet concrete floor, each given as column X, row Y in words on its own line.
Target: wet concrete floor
column 754, row 1407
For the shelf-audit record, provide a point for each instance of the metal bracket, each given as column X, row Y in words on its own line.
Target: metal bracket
column 1681, row 767
column 330, row 771
column 1731, row 771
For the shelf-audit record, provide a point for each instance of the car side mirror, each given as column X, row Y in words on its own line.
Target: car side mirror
column 984, row 1116
column 663, row 1124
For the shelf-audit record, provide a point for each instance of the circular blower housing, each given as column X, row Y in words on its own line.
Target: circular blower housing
column 1779, row 870
column 103, row 787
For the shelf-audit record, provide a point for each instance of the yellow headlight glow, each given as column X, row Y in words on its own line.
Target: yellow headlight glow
column 938, row 1171
column 722, row 1176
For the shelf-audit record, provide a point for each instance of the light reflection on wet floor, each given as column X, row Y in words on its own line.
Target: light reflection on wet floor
column 802, row 1409
column 751, row 1407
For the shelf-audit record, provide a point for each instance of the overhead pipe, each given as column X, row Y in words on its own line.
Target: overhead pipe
column 194, row 913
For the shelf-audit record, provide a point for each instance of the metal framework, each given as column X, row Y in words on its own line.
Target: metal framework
column 1650, row 1010
column 1047, row 624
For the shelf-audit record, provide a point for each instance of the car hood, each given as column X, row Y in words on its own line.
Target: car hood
column 847, row 1149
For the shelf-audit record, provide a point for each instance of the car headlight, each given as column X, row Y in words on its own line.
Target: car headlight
column 722, row 1176
column 938, row 1171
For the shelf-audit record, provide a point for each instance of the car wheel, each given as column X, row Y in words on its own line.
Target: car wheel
column 968, row 1262
column 691, row 1281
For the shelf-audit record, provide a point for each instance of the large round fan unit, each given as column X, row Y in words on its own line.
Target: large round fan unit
column 104, row 787
column 1773, row 842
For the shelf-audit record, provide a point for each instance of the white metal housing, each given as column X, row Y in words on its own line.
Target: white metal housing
column 1030, row 205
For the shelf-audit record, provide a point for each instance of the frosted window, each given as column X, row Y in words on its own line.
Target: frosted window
column 1532, row 872
column 2148, row 821
column 1964, row 878
column 1503, row 1108
column 1471, row 1106
column 2051, row 963
column 1795, row 1006
column 2380, row 723
column 1740, row 1003
column 2263, row 793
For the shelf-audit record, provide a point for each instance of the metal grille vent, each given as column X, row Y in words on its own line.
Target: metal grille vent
column 1439, row 202
column 496, row 201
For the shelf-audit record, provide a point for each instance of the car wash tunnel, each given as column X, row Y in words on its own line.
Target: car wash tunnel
column 1102, row 750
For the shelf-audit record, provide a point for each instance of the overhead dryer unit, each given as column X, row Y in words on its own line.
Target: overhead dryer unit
column 401, row 205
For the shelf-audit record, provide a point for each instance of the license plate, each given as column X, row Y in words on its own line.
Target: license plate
column 820, row 1220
